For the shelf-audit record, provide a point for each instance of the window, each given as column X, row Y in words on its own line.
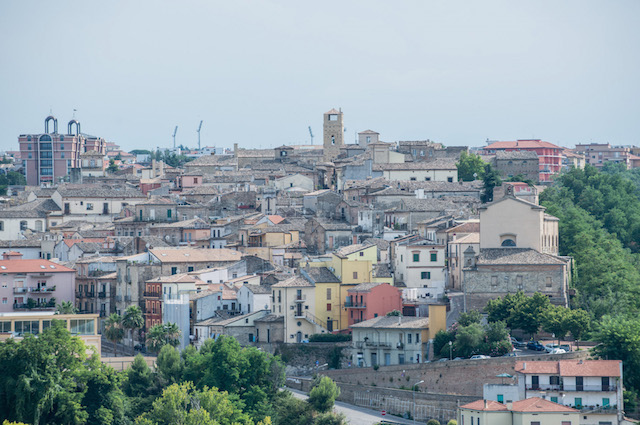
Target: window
column 450, row 179
column 416, row 257
column 62, row 144
column 1, row 226
column 535, row 422
column 605, row 402
column 4, row 300
column 190, row 268
column 355, row 275
column 548, row 282
column 427, row 179
column 168, row 213
column 361, row 254
column 425, row 275
column 328, row 293
column 408, row 338
column 62, row 155
column 5, row 326
column 412, row 179
column 569, row 423
column 23, row 225
column 578, row 402
column 174, row 270
column 29, row 146
column 554, row 399
column 82, row 327
column 500, row 398
column 89, row 206
column 434, row 257
column 328, row 306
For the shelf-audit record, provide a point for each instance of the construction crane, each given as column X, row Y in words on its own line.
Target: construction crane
column 174, row 137
column 311, row 134
column 199, row 127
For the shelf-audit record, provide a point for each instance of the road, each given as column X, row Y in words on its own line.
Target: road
column 357, row 415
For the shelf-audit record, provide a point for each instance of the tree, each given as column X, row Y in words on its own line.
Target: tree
column 452, row 422
column 468, row 339
column 66, row 307
column 323, row 395
column 556, row 321
column 441, row 342
column 112, row 168
column 162, row 334
column 331, row 418
column 579, row 323
column 132, row 320
column 619, row 339
column 394, row 313
column 470, row 317
column 433, row 422
column 114, row 331
column 470, row 167
column 139, row 385
column 491, row 179
column 169, row 364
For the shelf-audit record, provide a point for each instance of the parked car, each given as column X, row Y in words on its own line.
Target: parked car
column 443, row 359
column 535, row 346
column 517, row 344
column 557, row 351
column 479, row 356
column 550, row 347
column 566, row 347
column 512, row 354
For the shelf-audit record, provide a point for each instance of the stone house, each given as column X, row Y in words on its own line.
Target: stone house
column 517, row 162
column 323, row 235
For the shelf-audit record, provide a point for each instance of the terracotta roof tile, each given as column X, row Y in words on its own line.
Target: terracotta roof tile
column 571, row 367
column 32, row 266
column 491, row 406
column 536, row 404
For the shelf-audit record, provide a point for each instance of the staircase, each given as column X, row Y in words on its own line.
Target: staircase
column 313, row 319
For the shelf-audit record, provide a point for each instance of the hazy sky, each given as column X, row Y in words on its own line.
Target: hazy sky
column 259, row 72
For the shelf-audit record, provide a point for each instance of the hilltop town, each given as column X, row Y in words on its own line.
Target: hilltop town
column 388, row 266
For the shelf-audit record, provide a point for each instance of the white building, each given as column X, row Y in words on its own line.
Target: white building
column 420, row 263
column 253, row 298
column 294, row 299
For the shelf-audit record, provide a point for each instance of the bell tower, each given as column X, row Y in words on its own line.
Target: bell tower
column 333, row 134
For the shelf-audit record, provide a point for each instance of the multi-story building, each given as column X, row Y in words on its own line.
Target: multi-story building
column 517, row 163
column 294, row 299
column 47, row 157
column 333, row 134
column 370, row 300
column 593, row 387
column 96, row 285
column 420, row 263
column 27, row 285
column 549, row 155
column 393, row 340
column 534, row 411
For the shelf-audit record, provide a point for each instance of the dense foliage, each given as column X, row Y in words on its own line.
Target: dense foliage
column 470, row 167
column 599, row 214
column 49, row 379
column 10, row 179
column 469, row 337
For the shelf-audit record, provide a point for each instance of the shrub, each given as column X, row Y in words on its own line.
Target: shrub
column 330, row 338
column 433, row 422
column 452, row 422
column 323, row 395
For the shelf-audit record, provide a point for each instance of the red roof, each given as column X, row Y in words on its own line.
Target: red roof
column 536, row 404
column 485, row 405
column 72, row 242
column 32, row 266
column 275, row 219
column 571, row 367
column 522, row 144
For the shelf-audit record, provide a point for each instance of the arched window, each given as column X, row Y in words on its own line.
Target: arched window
column 508, row 242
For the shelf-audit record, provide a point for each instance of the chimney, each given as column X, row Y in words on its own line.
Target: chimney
column 509, row 404
column 11, row 255
column 400, row 319
column 486, row 404
column 235, row 150
column 524, row 365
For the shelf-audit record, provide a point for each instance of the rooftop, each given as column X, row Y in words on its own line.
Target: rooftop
column 195, row 255
column 32, row 266
column 512, row 256
column 571, row 367
column 321, row 275
column 522, row 144
column 293, row 282
column 394, row 322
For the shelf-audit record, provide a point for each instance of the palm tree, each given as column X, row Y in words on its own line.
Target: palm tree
column 162, row 334
column 132, row 320
column 114, row 331
column 66, row 307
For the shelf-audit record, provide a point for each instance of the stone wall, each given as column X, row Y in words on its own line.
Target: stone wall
column 301, row 359
column 461, row 377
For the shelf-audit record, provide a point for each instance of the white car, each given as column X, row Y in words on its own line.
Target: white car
column 550, row 347
column 479, row 356
column 558, row 351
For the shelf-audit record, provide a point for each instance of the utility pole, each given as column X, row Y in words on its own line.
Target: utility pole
column 174, row 137
column 199, row 128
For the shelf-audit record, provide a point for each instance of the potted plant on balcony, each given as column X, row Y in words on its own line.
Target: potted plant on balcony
column 31, row 303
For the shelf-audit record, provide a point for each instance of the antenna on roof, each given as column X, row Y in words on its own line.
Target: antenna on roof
column 311, row 134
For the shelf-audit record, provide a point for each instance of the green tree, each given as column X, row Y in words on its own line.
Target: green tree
column 530, row 314
column 324, row 394
column 470, row 167
column 394, row 313
column 619, row 339
column 132, row 320
column 114, row 331
column 103, row 398
column 491, row 179
column 112, row 168
column 470, row 317
column 331, row 418
column 169, row 364
column 452, row 422
column 579, row 323
column 291, row 411
column 556, row 321
column 468, row 339
column 162, row 334
column 433, row 422
column 16, row 179
column 66, row 307
column 496, row 332
column 140, row 387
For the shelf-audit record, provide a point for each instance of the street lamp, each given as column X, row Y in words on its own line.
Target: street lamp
column 414, row 399
column 450, row 350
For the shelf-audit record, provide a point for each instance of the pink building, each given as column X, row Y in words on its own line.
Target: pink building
column 189, row 180
column 33, row 284
column 549, row 155
column 369, row 300
column 51, row 155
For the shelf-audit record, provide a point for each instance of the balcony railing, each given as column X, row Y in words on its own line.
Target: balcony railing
column 300, row 298
column 102, row 294
column 103, row 313
column 85, row 294
column 127, row 298
column 20, row 290
column 577, row 388
column 152, row 294
column 43, row 289
column 351, row 304
column 35, row 305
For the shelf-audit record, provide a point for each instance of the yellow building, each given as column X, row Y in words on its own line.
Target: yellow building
column 346, row 268
column 261, row 240
column 85, row 326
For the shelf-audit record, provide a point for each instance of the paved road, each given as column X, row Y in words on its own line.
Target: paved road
column 357, row 415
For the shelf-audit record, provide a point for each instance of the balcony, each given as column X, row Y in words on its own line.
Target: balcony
column 118, row 298
column 573, row 388
column 351, row 304
column 17, row 290
column 299, row 314
column 34, row 305
column 151, row 294
column 127, row 298
column 85, row 294
column 102, row 294
column 103, row 313
column 300, row 298
column 44, row 289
